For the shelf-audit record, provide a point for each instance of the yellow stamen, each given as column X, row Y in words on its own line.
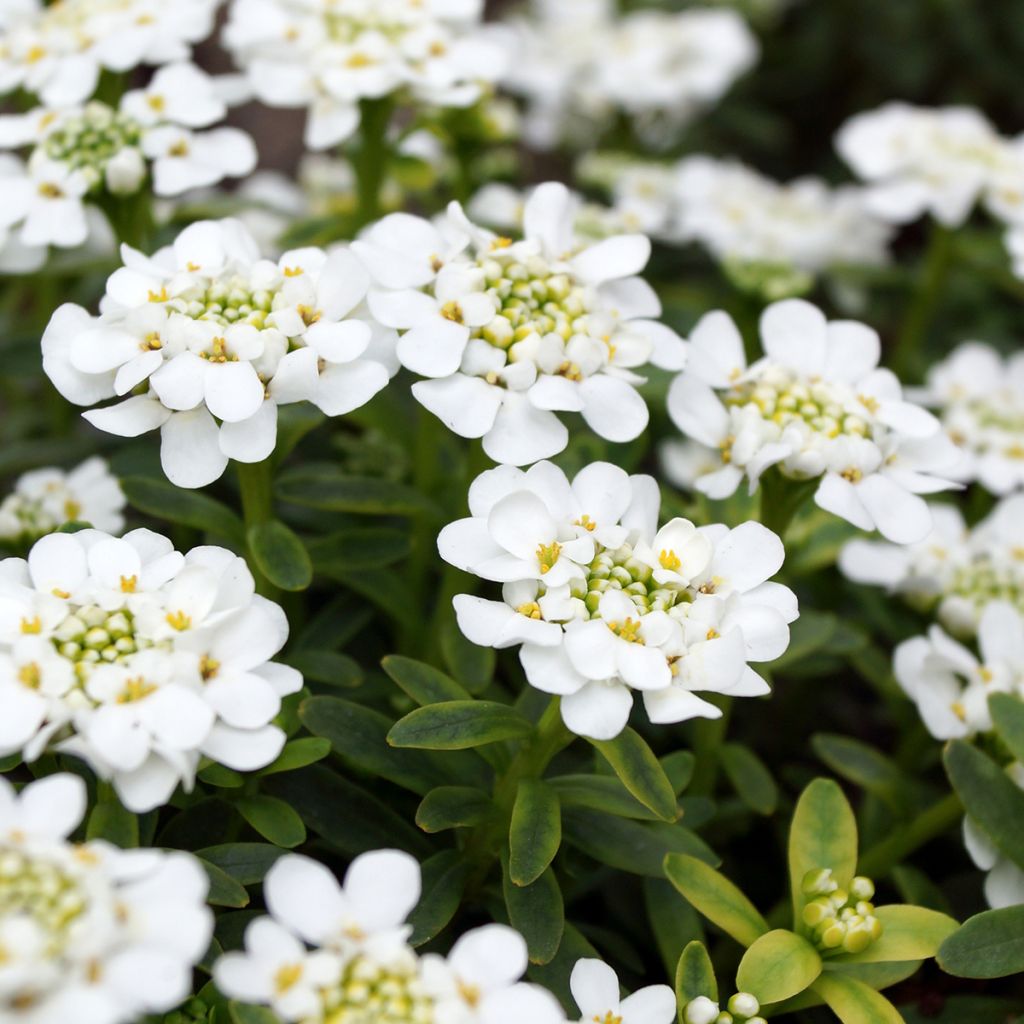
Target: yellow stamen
column 128, row 584
column 669, row 560
column 179, row 620
column 547, row 555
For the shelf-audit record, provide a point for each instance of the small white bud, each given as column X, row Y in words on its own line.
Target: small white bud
column 701, row 1011
column 125, row 171
column 743, row 1004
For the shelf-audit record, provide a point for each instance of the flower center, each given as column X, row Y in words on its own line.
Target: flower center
column 92, row 636
column 369, row 993
column 837, row 920
column 88, row 141
column 986, row 579
column 228, row 299
column 619, row 570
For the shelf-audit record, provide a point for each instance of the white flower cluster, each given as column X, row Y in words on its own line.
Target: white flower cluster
column 90, row 933
column 208, row 340
column 1004, row 881
column 579, row 64
column 43, row 500
column 817, row 405
column 328, row 57
column 979, row 396
column 955, row 570
column 139, row 660
column 511, row 332
column 602, row 602
column 81, row 151
column 58, row 50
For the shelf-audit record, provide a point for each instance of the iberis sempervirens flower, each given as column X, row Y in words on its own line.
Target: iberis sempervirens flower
column 89, row 932
column 602, row 603
column 139, row 660
column 204, row 340
column 816, row 406
column 512, row 332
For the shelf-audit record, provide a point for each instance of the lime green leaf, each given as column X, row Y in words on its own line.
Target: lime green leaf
column 1008, row 716
column 280, row 556
column 459, row 725
column 640, row 772
column 246, row 863
column 716, row 898
column 823, row 835
column 989, row 945
column 750, row 778
column 537, row 912
column 535, row 832
column 298, row 754
column 444, row 880
column 224, row 890
column 273, row 819
column 778, row 966
column 695, row 975
column 243, row 1013
column 908, row 933
column 989, row 797
column 361, row 548
column 454, row 807
column 164, row 501
column 329, row 489
column 853, row 1002
column 423, row 683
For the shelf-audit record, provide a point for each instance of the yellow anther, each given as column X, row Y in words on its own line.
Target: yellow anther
column 152, row 342
column 135, row 689
column 208, row 667
column 452, row 311
column 500, row 243
column 852, row 474
column 179, row 620
column 359, row 60
column 72, row 510
column 547, row 555
column 531, row 610
column 128, row 584
column 587, row 523
column 986, row 674
column 470, row 993
column 180, row 148
column 309, row 316
column 193, row 267
column 869, row 402
column 35, row 54
column 287, row 977
column 293, row 271
column 62, row 594
column 156, row 102
column 160, row 296
column 30, row 675
column 33, row 625
column 669, row 560
column 50, row 191
column 628, row 630
column 608, row 1018
column 959, row 710
column 712, row 634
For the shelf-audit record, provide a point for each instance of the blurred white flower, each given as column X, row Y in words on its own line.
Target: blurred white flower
column 1004, row 881
column 595, row 987
column 816, row 405
column 218, row 338
column 43, row 500
column 602, row 603
column 90, row 932
column 139, row 660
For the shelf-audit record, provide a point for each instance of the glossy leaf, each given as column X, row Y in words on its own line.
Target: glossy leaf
column 298, row 754
column 423, row 683
column 778, row 966
column 164, row 501
column 444, row 880
column 1008, row 718
column 224, row 890
column 244, row 1013
column 329, row 489
column 536, row 911
column 246, row 863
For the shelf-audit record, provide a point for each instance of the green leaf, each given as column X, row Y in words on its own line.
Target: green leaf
column 470, row 664
column 221, row 777
column 989, row 797
column 778, row 966
column 823, row 835
column 1008, row 717
column 679, row 767
column 423, row 683
column 673, row 921
column 600, row 793
column 298, row 754
column 246, row 863
column 110, row 821
column 695, row 975
column 454, row 807
column 853, row 1002
column 908, row 933
column 862, row 765
column 331, row 490
column 243, row 1013
column 535, row 832
column 280, row 556
column 273, row 819
column 361, row 548
column 716, row 898
column 459, row 725
column 164, row 501
column 444, row 880
column 989, row 945
column 327, row 667
column 224, row 890
column 638, row 769
column 537, row 912
column 750, row 778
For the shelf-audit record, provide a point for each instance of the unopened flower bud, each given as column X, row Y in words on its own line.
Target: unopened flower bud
column 743, row 1004
column 818, row 883
column 125, row 171
column 862, row 888
column 701, row 1011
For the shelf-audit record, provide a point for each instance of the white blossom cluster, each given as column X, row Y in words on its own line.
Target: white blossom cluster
column 139, row 660
column 207, row 339
column 329, row 57
column 57, row 51
column 43, row 500
column 955, row 571
column 340, row 954
column 81, row 152
column 578, row 65
column 90, row 933
column 602, row 603
column 815, row 406
column 511, row 332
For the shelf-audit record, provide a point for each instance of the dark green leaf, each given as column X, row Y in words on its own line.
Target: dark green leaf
column 331, row 490
column 638, row 769
column 778, row 966
column 459, row 725
column 423, row 683
column 224, row 890
column 470, row 664
column 695, row 976
column 221, row 777
column 246, row 863
column 600, row 793
column 454, row 807
column 989, row 945
column 298, row 754
column 243, row 1013
column 162, row 500
column 536, row 911
column 1008, row 717
column 444, row 879
column 110, row 821
column 360, row 548
column 327, row 667
column 280, row 555
column 751, row 780
column 673, row 920
column 678, row 766
column 862, row 765
column 273, row 819
column 535, row 832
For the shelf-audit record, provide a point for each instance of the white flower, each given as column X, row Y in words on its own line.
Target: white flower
column 139, row 660
column 59, row 52
column 43, row 500
column 603, row 603
column 919, row 160
column 88, row 932
column 816, row 405
column 595, row 987
column 328, row 58
column 47, row 204
column 511, row 332
column 218, row 338
column 1004, row 882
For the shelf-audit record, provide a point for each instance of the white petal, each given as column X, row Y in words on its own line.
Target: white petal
column 599, row 711
column 190, row 449
column 613, row 409
column 130, row 418
column 466, row 405
column 794, row 334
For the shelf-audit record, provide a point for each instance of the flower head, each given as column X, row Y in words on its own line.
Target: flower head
column 595, row 987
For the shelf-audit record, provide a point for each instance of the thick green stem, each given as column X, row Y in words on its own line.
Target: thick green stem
column 371, row 159
column 782, row 498
column 131, row 218
column 708, row 735
column 255, row 482
column 934, row 822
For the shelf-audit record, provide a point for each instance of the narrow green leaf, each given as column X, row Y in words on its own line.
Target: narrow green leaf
column 327, row 667
column 470, row 664
column 459, row 725
column 862, row 765
column 361, row 548
column 673, row 921
column 454, row 807
column 908, row 933
column 273, row 819
column 280, row 556
column 716, row 898
column 600, row 793
column 535, row 832
column 224, row 890
column 246, row 863
column 329, row 489
column 297, row 754
column 1008, row 717
column 244, row 1013
column 750, row 778
column 823, row 835
column 537, row 912
column 444, row 880
column 164, row 501
column 989, row 945
column 778, row 966
column 423, row 683
column 695, row 975
column 112, row 822
column 678, row 766
column 638, row 769
column 853, row 1002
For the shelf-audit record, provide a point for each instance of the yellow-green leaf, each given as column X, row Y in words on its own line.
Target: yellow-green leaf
column 695, row 975
column 778, row 966
column 854, row 1003
column 908, row 933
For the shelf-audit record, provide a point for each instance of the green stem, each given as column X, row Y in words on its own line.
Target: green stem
column 931, row 283
column 255, row 482
column 934, row 822
column 371, row 159
column 781, row 499
column 708, row 735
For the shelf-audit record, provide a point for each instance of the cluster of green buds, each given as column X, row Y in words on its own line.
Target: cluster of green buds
column 42, row 891
column 784, row 400
column 92, row 635
column 771, row 281
column 986, row 579
column 622, row 570
column 195, row 1011
column 102, row 144
column 371, row 993
column 840, row 921
column 225, row 301
column 743, row 1008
